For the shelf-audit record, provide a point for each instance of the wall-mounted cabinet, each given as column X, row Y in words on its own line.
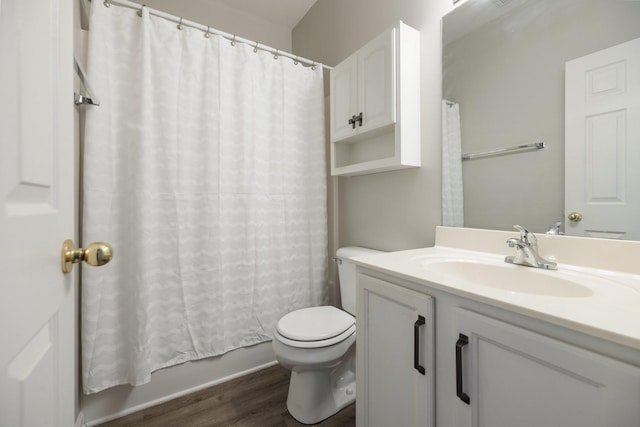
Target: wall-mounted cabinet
column 375, row 105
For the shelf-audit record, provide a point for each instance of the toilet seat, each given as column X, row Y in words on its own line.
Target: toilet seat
column 315, row 327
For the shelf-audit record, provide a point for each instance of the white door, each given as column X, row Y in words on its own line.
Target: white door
column 37, row 213
column 394, row 356
column 602, row 143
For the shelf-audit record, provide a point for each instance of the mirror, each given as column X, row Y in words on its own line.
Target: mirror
column 504, row 67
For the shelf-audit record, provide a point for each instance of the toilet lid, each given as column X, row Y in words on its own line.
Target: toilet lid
column 315, row 323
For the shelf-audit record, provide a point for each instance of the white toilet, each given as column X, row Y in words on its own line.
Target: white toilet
column 318, row 345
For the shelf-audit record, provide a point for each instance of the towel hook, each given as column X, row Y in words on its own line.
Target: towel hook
column 139, row 12
column 233, row 41
column 179, row 26
column 207, row 34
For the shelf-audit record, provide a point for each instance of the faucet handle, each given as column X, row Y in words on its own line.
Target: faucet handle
column 526, row 236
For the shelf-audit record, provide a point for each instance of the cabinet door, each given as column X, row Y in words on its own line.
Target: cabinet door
column 377, row 82
column 343, row 97
column 394, row 352
column 514, row 377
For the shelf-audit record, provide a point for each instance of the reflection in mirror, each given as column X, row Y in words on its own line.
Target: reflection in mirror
column 504, row 71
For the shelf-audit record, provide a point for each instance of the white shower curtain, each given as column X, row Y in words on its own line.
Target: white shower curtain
column 452, row 200
column 204, row 167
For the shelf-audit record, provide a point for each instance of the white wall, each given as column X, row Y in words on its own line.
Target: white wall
column 399, row 209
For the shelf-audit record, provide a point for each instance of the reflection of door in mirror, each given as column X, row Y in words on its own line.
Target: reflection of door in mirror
column 602, row 143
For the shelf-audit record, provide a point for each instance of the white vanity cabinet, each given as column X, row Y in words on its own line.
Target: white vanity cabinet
column 394, row 352
column 491, row 367
column 509, row 376
column 375, row 105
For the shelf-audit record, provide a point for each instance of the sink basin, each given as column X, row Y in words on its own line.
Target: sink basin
column 511, row 278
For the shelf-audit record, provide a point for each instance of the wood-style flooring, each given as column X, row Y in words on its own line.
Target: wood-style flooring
column 255, row 400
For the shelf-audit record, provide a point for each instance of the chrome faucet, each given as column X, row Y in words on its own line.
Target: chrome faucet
column 527, row 251
column 555, row 228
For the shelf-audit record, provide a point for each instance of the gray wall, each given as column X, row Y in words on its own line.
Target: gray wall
column 390, row 210
column 228, row 19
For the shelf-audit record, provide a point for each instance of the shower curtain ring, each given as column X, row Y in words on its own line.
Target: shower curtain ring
column 179, row 26
column 275, row 55
column 207, row 34
column 139, row 12
column 106, row 3
column 255, row 48
column 233, row 41
column 295, row 62
column 313, row 67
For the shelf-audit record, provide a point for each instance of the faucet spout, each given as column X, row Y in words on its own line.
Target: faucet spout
column 527, row 251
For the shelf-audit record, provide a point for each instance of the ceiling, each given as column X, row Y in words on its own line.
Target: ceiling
column 283, row 12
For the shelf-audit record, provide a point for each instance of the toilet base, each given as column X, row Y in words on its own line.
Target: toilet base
column 315, row 395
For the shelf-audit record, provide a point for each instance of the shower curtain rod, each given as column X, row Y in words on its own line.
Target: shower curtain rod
column 208, row 30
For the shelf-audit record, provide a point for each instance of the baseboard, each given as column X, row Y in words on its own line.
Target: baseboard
column 181, row 393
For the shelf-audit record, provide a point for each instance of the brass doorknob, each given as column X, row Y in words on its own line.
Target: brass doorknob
column 575, row 216
column 96, row 254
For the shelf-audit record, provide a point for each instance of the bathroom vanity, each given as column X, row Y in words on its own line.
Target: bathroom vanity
column 454, row 336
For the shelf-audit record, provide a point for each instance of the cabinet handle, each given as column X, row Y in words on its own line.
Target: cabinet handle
column 462, row 341
column 416, row 344
column 355, row 119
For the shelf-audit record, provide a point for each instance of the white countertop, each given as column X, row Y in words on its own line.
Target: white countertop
column 611, row 310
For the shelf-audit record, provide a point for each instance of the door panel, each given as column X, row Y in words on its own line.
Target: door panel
column 516, row 377
column 376, row 82
column 37, row 212
column 394, row 352
column 343, row 96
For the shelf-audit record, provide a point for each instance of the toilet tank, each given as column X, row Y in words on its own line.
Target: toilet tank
column 347, row 274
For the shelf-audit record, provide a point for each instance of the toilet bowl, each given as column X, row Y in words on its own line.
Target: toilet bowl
column 318, row 345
